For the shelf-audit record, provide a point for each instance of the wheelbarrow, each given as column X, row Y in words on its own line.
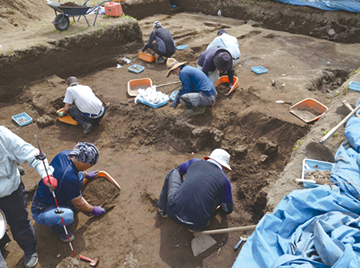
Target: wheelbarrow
column 62, row 13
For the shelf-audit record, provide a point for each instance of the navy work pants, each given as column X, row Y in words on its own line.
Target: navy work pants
column 78, row 116
column 16, row 213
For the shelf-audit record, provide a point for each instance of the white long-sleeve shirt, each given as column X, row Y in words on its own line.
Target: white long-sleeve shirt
column 228, row 42
column 14, row 151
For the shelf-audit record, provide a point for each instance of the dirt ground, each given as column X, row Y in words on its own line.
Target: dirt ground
column 139, row 145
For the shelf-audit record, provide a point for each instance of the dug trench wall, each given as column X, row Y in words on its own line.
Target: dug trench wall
column 100, row 46
column 81, row 53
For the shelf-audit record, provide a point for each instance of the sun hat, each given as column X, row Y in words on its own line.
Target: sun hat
column 172, row 64
column 156, row 24
column 221, row 156
column 221, row 31
column 85, row 152
column 72, row 81
column 2, row 224
column 223, row 60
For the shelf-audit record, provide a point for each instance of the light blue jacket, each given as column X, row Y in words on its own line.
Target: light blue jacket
column 14, row 151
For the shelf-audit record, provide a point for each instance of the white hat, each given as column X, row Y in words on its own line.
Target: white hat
column 156, row 24
column 221, row 156
column 2, row 224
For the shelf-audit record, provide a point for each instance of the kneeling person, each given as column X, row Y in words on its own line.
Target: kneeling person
column 197, row 91
column 191, row 203
column 87, row 110
column 69, row 170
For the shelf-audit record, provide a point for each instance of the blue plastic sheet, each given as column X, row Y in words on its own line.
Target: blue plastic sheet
column 317, row 227
column 347, row 5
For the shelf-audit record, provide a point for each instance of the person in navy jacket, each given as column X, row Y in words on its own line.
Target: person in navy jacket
column 192, row 201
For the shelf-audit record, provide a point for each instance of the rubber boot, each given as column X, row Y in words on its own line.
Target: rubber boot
column 160, row 60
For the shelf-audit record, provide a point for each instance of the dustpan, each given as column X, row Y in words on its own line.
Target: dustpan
column 225, row 79
column 67, row 119
column 135, row 84
column 107, row 176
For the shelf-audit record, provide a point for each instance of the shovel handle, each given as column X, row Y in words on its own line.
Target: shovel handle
column 163, row 85
column 334, row 129
column 227, row 230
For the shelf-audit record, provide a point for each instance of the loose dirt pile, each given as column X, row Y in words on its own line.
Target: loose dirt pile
column 100, row 192
column 319, row 176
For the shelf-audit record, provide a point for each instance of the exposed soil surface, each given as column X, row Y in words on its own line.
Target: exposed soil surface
column 139, row 145
column 101, row 192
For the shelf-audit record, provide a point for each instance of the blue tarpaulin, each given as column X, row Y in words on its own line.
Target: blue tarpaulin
column 316, row 227
column 333, row 5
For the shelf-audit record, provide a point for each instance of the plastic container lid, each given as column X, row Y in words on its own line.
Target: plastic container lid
column 259, row 69
column 354, row 85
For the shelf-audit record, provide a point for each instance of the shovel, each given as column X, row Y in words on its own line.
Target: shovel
column 334, row 129
column 203, row 241
column 323, row 150
column 168, row 84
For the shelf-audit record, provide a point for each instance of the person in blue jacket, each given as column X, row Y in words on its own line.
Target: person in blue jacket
column 196, row 92
column 164, row 44
column 192, row 201
column 69, row 170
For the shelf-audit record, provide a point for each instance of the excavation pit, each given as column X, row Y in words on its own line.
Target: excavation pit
column 142, row 144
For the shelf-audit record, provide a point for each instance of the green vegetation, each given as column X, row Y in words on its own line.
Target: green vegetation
column 298, row 143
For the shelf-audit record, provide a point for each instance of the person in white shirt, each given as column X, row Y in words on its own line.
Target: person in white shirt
column 13, row 196
column 87, row 110
column 228, row 42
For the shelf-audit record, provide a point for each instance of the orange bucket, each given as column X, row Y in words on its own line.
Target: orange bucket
column 146, row 57
column 113, row 9
column 225, row 79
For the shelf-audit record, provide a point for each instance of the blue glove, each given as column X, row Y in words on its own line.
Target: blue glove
column 97, row 211
column 174, row 104
column 92, row 174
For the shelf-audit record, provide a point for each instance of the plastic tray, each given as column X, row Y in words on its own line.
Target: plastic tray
column 173, row 95
column 354, row 85
column 67, row 119
column 181, row 47
column 305, row 110
column 313, row 165
column 135, row 84
column 153, row 105
column 225, row 79
column 146, row 57
column 259, row 69
column 141, row 68
column 22, row 119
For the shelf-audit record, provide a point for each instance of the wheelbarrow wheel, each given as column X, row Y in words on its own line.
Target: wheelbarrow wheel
column 61, row 22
